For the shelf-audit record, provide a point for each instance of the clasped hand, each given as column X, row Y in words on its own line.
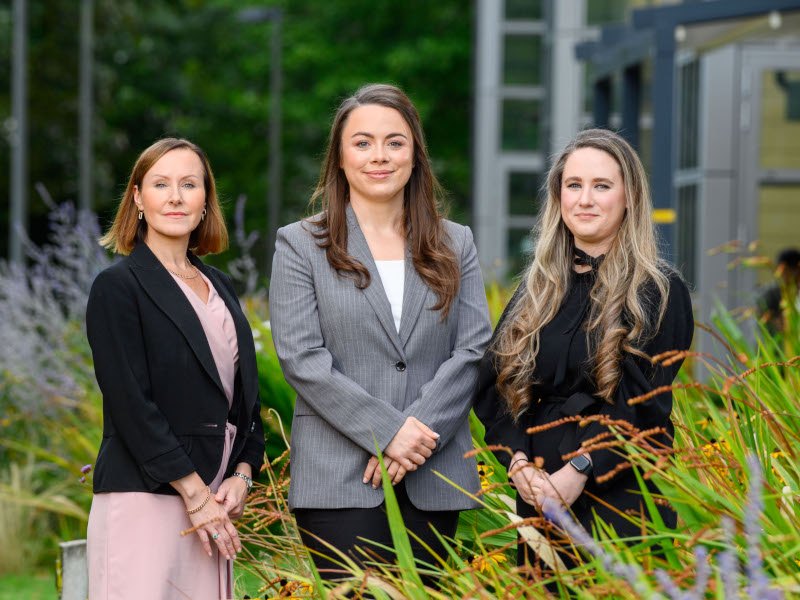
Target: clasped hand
column 535, row 485
column 411, row 446
column 214, row 520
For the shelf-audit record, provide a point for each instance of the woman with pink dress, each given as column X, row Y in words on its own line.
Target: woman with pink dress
column 175, row 362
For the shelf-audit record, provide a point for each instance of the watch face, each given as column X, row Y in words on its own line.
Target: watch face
column 581, row 463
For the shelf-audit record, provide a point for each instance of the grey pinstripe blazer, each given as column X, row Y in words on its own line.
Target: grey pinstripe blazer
column 357, row 378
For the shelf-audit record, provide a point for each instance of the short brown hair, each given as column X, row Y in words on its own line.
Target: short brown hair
column 209, row 237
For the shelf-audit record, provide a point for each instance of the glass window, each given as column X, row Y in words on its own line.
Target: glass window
column 523, row 192
column 600, row 12
column 522, row 59
column 778, row 220
column 521, row 125
column 520, row 247
column 688, row 115
column 528, row 10
column 780, row 120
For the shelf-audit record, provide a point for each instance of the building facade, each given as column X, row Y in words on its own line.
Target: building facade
column 708, row 92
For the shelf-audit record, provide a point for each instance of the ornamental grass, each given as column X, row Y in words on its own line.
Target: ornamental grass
column 733, row 475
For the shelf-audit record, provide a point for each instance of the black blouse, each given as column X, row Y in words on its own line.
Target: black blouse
column 564, row 385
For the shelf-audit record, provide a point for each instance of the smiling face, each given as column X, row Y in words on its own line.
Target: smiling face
column 172, row 195
column 592, row 199
column 377, row 154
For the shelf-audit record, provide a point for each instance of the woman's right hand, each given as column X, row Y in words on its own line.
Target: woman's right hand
column 522, row 474
column 212, row 522
column 412, row 445
column 214, row 525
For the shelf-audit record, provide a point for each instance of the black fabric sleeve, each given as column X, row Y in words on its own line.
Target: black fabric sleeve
column 253, row 451
column 639, row 377
column 490, row 407
column 115, row 336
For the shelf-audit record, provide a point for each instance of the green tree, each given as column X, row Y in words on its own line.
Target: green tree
column 190, row 68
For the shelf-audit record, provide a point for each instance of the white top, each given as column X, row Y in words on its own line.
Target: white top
column 393, row 277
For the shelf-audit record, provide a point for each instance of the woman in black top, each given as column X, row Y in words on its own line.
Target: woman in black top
column 576, row 339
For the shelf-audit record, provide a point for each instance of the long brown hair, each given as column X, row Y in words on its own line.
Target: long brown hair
column 209, row 237
column 628, row 298
column 433, row 258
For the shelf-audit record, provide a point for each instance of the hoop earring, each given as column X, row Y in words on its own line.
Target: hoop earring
column 203, row 214
column 141, row 214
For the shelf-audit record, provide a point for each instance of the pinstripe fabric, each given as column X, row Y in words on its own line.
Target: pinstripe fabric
column 338, row 347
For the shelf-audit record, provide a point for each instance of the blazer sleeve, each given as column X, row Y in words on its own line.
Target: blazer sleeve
column 306, row 362
column 639, row 377
column 444, row 402
column 490, row 407
column 114, row 331
column 253, row 451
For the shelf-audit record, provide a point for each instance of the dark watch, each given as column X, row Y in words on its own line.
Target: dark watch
column 582, row 464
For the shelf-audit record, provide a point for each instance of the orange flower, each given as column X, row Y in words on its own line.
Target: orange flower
column 487, row 562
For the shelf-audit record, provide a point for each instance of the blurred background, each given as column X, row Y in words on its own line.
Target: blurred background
column 707, row 91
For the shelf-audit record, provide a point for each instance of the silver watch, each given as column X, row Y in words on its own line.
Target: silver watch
column 247, row 479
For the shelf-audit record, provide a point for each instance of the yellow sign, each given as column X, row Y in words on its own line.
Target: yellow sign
column 663, row 216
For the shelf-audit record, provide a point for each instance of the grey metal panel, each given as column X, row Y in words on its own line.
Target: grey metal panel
column 719, row 117
column 489, row 196
column 569, row 18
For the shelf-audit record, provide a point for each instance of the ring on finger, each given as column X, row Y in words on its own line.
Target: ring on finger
column 215, row 536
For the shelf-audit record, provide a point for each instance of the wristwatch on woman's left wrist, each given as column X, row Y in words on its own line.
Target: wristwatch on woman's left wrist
column 247, row 480
column 582, row 464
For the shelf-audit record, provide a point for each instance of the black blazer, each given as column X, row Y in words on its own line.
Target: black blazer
column 164, row 408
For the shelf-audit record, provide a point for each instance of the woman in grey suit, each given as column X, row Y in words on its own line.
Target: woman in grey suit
column 379, row 318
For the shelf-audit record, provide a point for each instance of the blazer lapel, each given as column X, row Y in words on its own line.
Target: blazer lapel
column 163, row 290
column 244, row 335
column 414, row 293
column 358, row 248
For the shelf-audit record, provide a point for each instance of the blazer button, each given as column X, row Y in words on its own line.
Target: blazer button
column 400, row 366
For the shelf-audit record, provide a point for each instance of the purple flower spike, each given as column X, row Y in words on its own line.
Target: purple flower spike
column 702, row 571
column 668, row 586
column 728, row 561
column 85, row 469
column 758, row 583
column 554, row 512
column 82, row 479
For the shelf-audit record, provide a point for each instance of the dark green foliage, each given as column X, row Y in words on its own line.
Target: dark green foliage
column 189, row 68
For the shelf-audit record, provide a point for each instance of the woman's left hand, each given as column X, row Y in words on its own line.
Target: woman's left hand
column 232, row 494
column 372, row 474
column 563, row 486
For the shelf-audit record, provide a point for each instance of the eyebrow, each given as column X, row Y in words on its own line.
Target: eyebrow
column 184, row 177
column 577, row 178
column 369, row 135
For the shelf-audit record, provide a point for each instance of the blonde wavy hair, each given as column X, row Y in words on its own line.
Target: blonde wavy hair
column 628, row 298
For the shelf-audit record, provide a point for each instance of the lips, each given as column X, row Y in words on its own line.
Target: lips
column 175, row 214
column 378, row 174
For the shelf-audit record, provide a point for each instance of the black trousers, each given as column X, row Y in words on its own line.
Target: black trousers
column 343, row 527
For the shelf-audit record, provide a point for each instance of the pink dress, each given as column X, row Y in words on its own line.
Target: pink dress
column 135, row 550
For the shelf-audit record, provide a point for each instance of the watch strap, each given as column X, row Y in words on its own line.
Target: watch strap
column 247, row 480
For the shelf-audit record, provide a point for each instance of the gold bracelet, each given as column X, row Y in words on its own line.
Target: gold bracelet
column 202, row 504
